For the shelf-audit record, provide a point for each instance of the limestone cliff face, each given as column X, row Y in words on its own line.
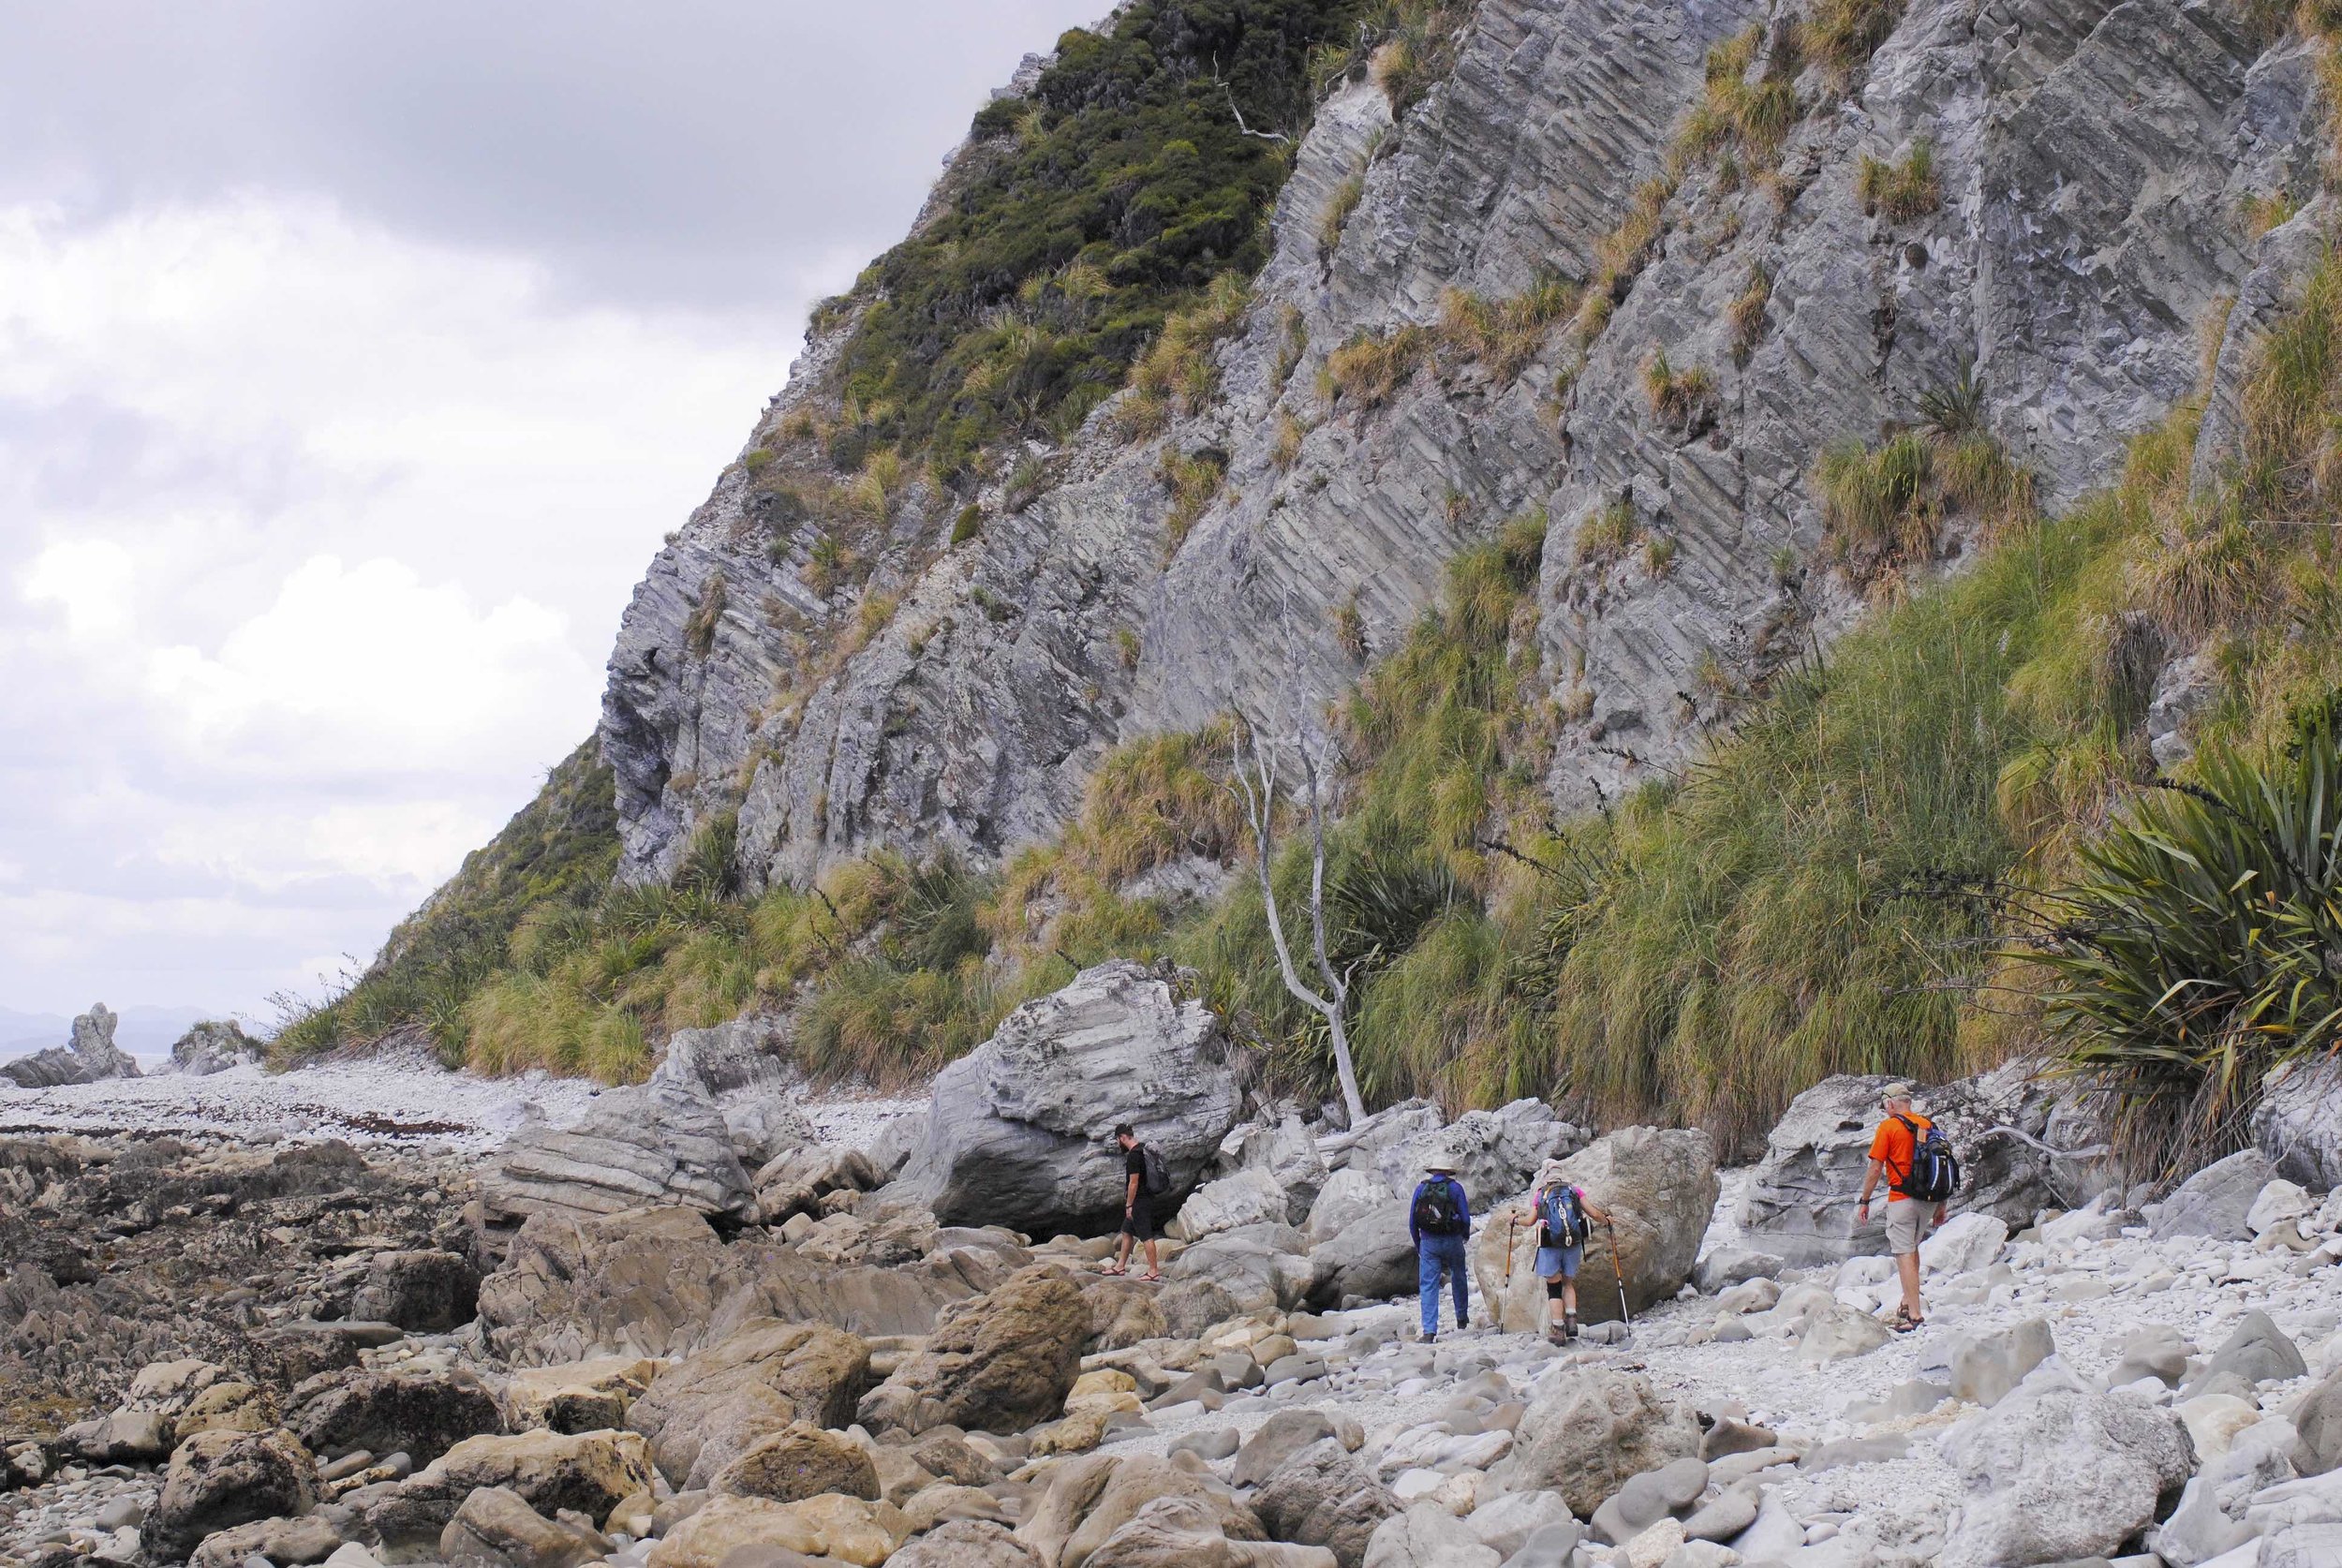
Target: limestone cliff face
column 2093, row 161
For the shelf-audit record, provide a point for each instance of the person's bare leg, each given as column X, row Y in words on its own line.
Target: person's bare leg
column 1907, row 1264
column 1153, row 1267
column 1122, row 1253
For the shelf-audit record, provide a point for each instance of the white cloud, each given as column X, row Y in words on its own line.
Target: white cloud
column 312, row 540
column 368, row 669
column 91, row 580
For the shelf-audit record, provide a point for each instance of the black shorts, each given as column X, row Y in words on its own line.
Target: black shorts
column 1138, row 1224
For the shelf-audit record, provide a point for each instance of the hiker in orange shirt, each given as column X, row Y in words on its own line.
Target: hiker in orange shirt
column 1893, row 1148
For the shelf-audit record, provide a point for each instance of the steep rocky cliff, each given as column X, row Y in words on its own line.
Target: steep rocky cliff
column 1794, row 229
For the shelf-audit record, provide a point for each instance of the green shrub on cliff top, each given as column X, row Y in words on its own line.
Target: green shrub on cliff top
column 1118, row 191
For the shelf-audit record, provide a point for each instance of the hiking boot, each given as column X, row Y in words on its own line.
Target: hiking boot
column 1554, row 1334
column 1569, row 1325
column 1428, row 1339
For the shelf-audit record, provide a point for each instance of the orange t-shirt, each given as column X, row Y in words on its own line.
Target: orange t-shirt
column 1896, row 1144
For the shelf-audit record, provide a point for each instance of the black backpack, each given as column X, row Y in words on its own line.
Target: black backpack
column 1935, row 1173
column 1435, row 1212
column 1158, row 1178
column 1565, row 1221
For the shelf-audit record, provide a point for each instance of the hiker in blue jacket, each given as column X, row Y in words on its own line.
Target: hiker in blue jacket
column 1440, row 1218
column 1565, row 1216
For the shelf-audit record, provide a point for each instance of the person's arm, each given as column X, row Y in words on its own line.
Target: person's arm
column 1130, row 1194
column 1594, row 1210
column 1463, row 1204
column 1415, row 1232
column 1870, row 1181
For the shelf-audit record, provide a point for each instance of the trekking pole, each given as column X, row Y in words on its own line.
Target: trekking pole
column 1512, row 1222
column 1618, row 1274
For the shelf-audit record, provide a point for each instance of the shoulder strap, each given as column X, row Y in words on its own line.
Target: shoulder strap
column 1913, row 1127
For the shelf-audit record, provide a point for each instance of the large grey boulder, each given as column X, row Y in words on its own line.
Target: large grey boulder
column 1373, row 1258
column 1659, row 1187
column 2054, row 1472
column 212, row 1045
column 743, row 1054
column 421, row 1292
column 2258, row 1352
column 2210, row 1518
column 1495, row 1154
column 1018, row 1130
column 1249, row 1197
column 707, row 1410
column 663, row 1145
column 1593, row 1429
column 661, row 1282
column 1986, row 1364
column 1287, row 1152
column 769, row 1127
column 90, row 1056
column 2317, row 1420
column 1000, row 1362
column 1800, row 1202
column 2217, row 1200
column 590, row 1472
column 494, row 1528
column 713, row 1112
column 1321, row 1495
column 220, row 1479
column 420, row 1414
column 1427, row 1536
column 1252, row 1270
column 1362, row 1146
column 2298, row 1124
column 1347, row 1197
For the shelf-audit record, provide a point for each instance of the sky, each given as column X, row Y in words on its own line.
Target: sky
column 354, row 359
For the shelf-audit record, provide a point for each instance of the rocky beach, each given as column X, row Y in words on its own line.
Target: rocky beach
column 719, row 1320
column 1549, row 590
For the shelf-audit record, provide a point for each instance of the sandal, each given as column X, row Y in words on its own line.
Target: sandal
column 1114, row 1271
column 1151, row 1278
column 1904, row 1322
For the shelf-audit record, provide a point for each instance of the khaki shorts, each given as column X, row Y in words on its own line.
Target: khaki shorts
column 1907, row 1224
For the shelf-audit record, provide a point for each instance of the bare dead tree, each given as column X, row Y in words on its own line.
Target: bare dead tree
column 1243, row 129
column 1254, row 771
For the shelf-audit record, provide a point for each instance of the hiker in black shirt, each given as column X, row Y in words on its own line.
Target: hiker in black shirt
column 1138, row 1216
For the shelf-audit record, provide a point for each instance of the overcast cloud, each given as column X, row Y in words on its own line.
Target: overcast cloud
column 353, row 360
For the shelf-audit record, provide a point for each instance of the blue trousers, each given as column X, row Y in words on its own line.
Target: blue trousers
column 1436, row 1255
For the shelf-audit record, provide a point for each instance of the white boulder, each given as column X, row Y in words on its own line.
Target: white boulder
column 1963, row 1242
column 2055, row 1472
column 1017, row 1130
column 1249, row 1197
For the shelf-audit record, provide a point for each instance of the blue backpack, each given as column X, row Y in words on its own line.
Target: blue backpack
column 1565, row 1221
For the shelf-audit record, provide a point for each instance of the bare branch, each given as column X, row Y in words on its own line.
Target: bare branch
column 1255, row 782
column 1258, row 781
column 1243, row 129
column 1317, row 876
